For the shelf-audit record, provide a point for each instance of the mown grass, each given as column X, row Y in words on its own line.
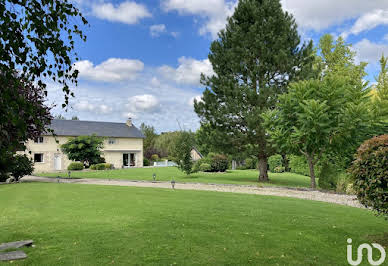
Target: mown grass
column 240, row 177
column 101, row 225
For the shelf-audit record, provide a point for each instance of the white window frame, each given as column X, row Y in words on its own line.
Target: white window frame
column 42, row 157
column 111, row 141
column 39, row 140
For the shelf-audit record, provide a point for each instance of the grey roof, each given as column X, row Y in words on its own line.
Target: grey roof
column 102, row 129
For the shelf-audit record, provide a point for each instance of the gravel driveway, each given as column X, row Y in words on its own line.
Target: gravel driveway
column 348, row 200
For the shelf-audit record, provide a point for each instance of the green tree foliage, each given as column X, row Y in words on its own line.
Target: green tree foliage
column 327, row 114
column 23, row 116
column 380, row 93
column 86, row 149
column 149, row 141
column 254, row 59
column 369, row 172
column 36, row 45
column 38, row 37
column 182, row 151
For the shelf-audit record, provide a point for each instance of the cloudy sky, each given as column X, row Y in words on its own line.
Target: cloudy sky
column 143, row 59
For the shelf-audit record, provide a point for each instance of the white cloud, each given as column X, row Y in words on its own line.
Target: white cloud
column 127, row 12
column 155, row 82
column 368, row 21
column 214, row 12
column 145, row 103
column 157, row 30
column 188, row 72
column 86, row 106
column 319, row 15
column 111, row 70
column 198, row 98
column 370, row 52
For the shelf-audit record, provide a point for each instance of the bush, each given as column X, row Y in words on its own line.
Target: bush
column 250, row 163
column 275, row 161
column 75, row 166
column 146, row 162
column 369, row 172
column 102, row 166
column 219, row 163
column 21, row 166
column 329, row 175
column 298, row 165
column 154, row 157
column 279, row 169
column 205, row 167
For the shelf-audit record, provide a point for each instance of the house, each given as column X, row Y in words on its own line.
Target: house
column 195, row 154
column 123, row 144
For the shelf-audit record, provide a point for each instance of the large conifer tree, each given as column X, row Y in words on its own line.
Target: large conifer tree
column 254, row 59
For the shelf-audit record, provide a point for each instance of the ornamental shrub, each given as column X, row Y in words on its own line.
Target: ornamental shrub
column 21, row 166
column 219, row 163
column 75, row 166
column 279, row 169
column 369, row 172
column 154, row 157
column 205, row 167
column 275, row 161
column 298, row 165
column 146, row 162
column 251, row 163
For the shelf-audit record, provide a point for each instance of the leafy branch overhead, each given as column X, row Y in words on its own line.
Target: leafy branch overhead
column 37, row 40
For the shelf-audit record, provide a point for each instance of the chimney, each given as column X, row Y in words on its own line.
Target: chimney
column 129, row 122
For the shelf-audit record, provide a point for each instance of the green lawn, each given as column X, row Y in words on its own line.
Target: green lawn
column 100, row 225
column 241, row 177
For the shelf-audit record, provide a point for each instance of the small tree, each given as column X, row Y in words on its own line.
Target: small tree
column 253, row 59
column 370, row 174
column 149, row 141
column 86, row 149
column 182, row 152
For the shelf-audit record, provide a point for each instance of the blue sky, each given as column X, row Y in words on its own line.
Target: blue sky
column 143, row 58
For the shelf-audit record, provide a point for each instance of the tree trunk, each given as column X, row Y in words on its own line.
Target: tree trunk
column 310, row 160
column 263, row 168
column 285, row 162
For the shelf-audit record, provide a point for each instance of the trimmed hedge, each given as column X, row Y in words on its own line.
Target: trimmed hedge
column 146, row 162
column 205, row 167
column 369, row 171
column 102, row 166
column 219, row 163
column 75, row 166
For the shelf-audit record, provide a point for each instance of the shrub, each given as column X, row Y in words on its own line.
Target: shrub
column 75, row 166
column 250, row 163
column 154, row 157
column 298, row 165
column 328, row 176
column 93, row 167
column 205, row 167
column 369, row 172
column 108, row 166
column 241, row 167
column 219, row 163
column 279, row 169
column 275, row 161
column 21, row 166
column 146, row 162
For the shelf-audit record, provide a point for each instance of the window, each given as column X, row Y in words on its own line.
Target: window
column 38, row 140
column 111, row 141
column 38, row 157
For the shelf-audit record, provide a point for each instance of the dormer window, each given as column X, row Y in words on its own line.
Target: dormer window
column 38, row 140
column 111, row 141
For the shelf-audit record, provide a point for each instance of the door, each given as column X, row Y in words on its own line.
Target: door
column 57, row 161
column 125, row 159
column 132, row 159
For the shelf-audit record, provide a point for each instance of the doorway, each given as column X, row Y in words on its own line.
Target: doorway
column 57, row 161
column 129, row 159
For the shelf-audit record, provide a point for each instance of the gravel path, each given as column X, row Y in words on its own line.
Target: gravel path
column 348, row 200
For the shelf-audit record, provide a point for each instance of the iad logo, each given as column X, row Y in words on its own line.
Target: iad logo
column 370, row 252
